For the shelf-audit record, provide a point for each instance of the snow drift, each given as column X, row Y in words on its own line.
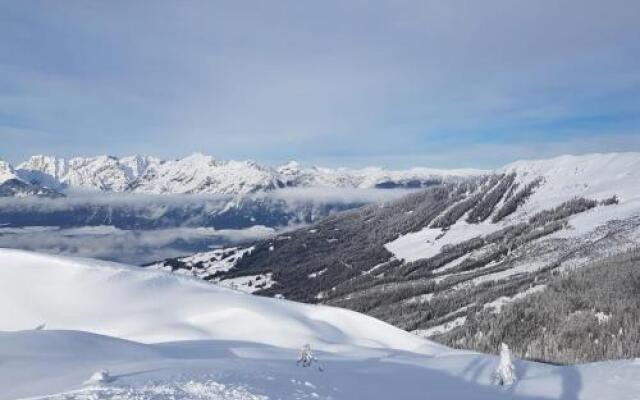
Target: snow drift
column 153, row 306
column 205, row 342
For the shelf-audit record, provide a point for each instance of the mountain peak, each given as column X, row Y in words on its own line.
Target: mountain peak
column 290, row 168
column 7, row 172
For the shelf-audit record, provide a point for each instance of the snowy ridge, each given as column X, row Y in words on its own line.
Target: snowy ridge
column 593, row 176
column 12, row 184
column 153, row 306
column 372, row 176
column 7, row 172
column 101, row 173
column 199, row 173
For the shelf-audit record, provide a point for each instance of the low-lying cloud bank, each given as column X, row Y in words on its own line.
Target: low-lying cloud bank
column 336, row 195
column 136, row 228
column 279, row 208
column 317, row 195
column 130, row 246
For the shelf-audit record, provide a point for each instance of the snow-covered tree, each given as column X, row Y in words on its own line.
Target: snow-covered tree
column 101, row 376
column 307, row 358
column 506, row 372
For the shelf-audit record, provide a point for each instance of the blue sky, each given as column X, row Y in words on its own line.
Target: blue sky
column 391, row 83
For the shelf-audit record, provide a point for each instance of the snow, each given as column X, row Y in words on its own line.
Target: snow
column 207, row 263
column 593, row 176
column 423, row 298
column 428, row 242
column 497, row 304
column 455, row 263
column 153, row 306
column 97, row 173
column 602, row 317
column 371, row 176
column 506, row 372
column 317, row 273
column 6, row 172
column 442, row 328
column 248, row 283
column 377, row 266
column 200, row 173
column 520, row 267
column 244, row 371
column 169, row 337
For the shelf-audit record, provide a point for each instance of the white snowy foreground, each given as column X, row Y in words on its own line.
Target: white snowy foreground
column 164, row 336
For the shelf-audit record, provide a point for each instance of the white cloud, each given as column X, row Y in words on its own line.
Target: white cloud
column 131, row 246
column 141, row 246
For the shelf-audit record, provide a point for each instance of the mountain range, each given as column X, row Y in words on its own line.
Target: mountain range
column 434, row 261
column 203, row 174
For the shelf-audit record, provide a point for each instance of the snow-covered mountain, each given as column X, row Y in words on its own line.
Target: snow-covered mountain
column 430, row 262
column 7, row 172
column 293, row 175
column 203, row 174
column 12, row 184
column 80, row 329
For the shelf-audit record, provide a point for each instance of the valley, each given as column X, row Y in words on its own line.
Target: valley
column 434, row 261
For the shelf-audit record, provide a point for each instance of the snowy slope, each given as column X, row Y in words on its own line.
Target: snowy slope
column 153, row 306
column 36, row 363
column 592, row 176
column 210, row 264
column 246, row 347
column 596, row 176
column 7, row 172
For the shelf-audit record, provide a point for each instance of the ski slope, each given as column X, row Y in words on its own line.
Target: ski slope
column 165, row 337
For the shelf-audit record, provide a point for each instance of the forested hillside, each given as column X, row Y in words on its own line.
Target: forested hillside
column 429, row 262
column 584, row 315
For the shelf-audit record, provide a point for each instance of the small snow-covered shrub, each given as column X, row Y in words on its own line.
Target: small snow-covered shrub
column 307, row 358
column 101, row 376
